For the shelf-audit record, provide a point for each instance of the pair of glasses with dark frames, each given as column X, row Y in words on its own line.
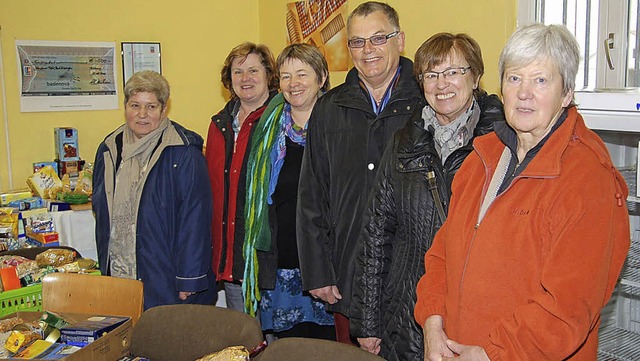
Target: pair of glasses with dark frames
column 375, row 40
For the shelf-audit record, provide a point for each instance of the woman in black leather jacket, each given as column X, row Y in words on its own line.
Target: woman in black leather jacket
column 408, row 203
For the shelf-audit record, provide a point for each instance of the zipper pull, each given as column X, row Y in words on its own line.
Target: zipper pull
column 433, row 188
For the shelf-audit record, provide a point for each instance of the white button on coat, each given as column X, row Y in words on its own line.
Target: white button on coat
column 371, row 166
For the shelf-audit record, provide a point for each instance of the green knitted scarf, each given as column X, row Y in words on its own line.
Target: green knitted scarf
column 257, row 232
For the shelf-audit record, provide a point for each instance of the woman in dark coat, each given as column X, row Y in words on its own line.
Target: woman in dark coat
column 408, row 203
column 152, row 202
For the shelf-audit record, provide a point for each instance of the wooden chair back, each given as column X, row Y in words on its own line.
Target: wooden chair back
column 83, row 293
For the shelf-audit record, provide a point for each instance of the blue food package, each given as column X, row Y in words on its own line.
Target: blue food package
column 66, row 142
column 84, row 332
column 27, row 203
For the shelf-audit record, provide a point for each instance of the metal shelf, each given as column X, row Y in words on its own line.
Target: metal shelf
column 618, row 344
column 619, row 334
column 630, row 281
column 629, row 175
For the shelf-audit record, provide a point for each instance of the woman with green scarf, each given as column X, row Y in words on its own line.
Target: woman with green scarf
column 272, row 278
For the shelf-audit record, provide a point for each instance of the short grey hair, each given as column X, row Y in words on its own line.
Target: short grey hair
column 147, row 81
column 370, row 7
column 543, row 42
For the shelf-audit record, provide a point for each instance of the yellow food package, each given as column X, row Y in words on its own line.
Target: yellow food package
column 43, row 180
column 17, row 339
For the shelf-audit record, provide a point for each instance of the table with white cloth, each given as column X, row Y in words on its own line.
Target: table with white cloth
column 76, row 228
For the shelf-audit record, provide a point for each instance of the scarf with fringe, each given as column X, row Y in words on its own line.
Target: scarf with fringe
column 260, row 167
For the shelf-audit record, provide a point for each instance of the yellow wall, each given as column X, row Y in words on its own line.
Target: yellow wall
column 195, row 36
column 490, row 22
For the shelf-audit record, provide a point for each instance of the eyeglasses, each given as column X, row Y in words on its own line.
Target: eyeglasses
column 452, row 74
column 375, row 40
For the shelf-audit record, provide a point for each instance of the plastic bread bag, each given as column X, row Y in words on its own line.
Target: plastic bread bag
column 231, row 353
column 55, row 257
column 23, row 265
column 8, row 323
column 84, row 184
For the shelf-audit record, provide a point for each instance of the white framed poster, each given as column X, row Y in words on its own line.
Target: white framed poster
column 66, row 75
column 140, row 56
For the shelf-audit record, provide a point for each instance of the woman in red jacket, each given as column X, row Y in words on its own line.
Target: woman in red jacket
column 249, row 75
column 538, row 227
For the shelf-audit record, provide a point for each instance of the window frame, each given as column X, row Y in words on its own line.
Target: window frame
column 609, row 105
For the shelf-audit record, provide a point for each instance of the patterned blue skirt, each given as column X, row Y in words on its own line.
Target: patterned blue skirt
column 286, row 306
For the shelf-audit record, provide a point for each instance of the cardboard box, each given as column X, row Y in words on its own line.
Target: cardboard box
column 111, row 347
column 44, row 238
column 66, row 140
column 92, row 328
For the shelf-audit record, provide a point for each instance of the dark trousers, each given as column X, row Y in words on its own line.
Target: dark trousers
column 309, row 330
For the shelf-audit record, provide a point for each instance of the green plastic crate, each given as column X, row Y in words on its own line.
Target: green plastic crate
column 22, row 299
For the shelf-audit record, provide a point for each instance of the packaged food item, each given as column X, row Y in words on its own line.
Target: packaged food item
column 6, row 230
column 66, row 183
column 43, row 239
column 13, row 243
column 17, row 339
column 66, row 142
column 38, row 165
column 75, row 198
column 34, row 350
column 86, row 331
column 69, row 268
column 41, row 223
column 29, row 326
column 22, row 265
column 55, row 257
column 38, row 274
column 10, row 280
column 8, row 323
column 53, row 319
column 231, row 353
column 14, row 195
column 84, row 184
column 43, row 180
column 27, row 203
column 86, row 264
column 70, row 167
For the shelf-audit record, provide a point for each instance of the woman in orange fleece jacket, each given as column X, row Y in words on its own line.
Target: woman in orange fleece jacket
column 538, row 227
